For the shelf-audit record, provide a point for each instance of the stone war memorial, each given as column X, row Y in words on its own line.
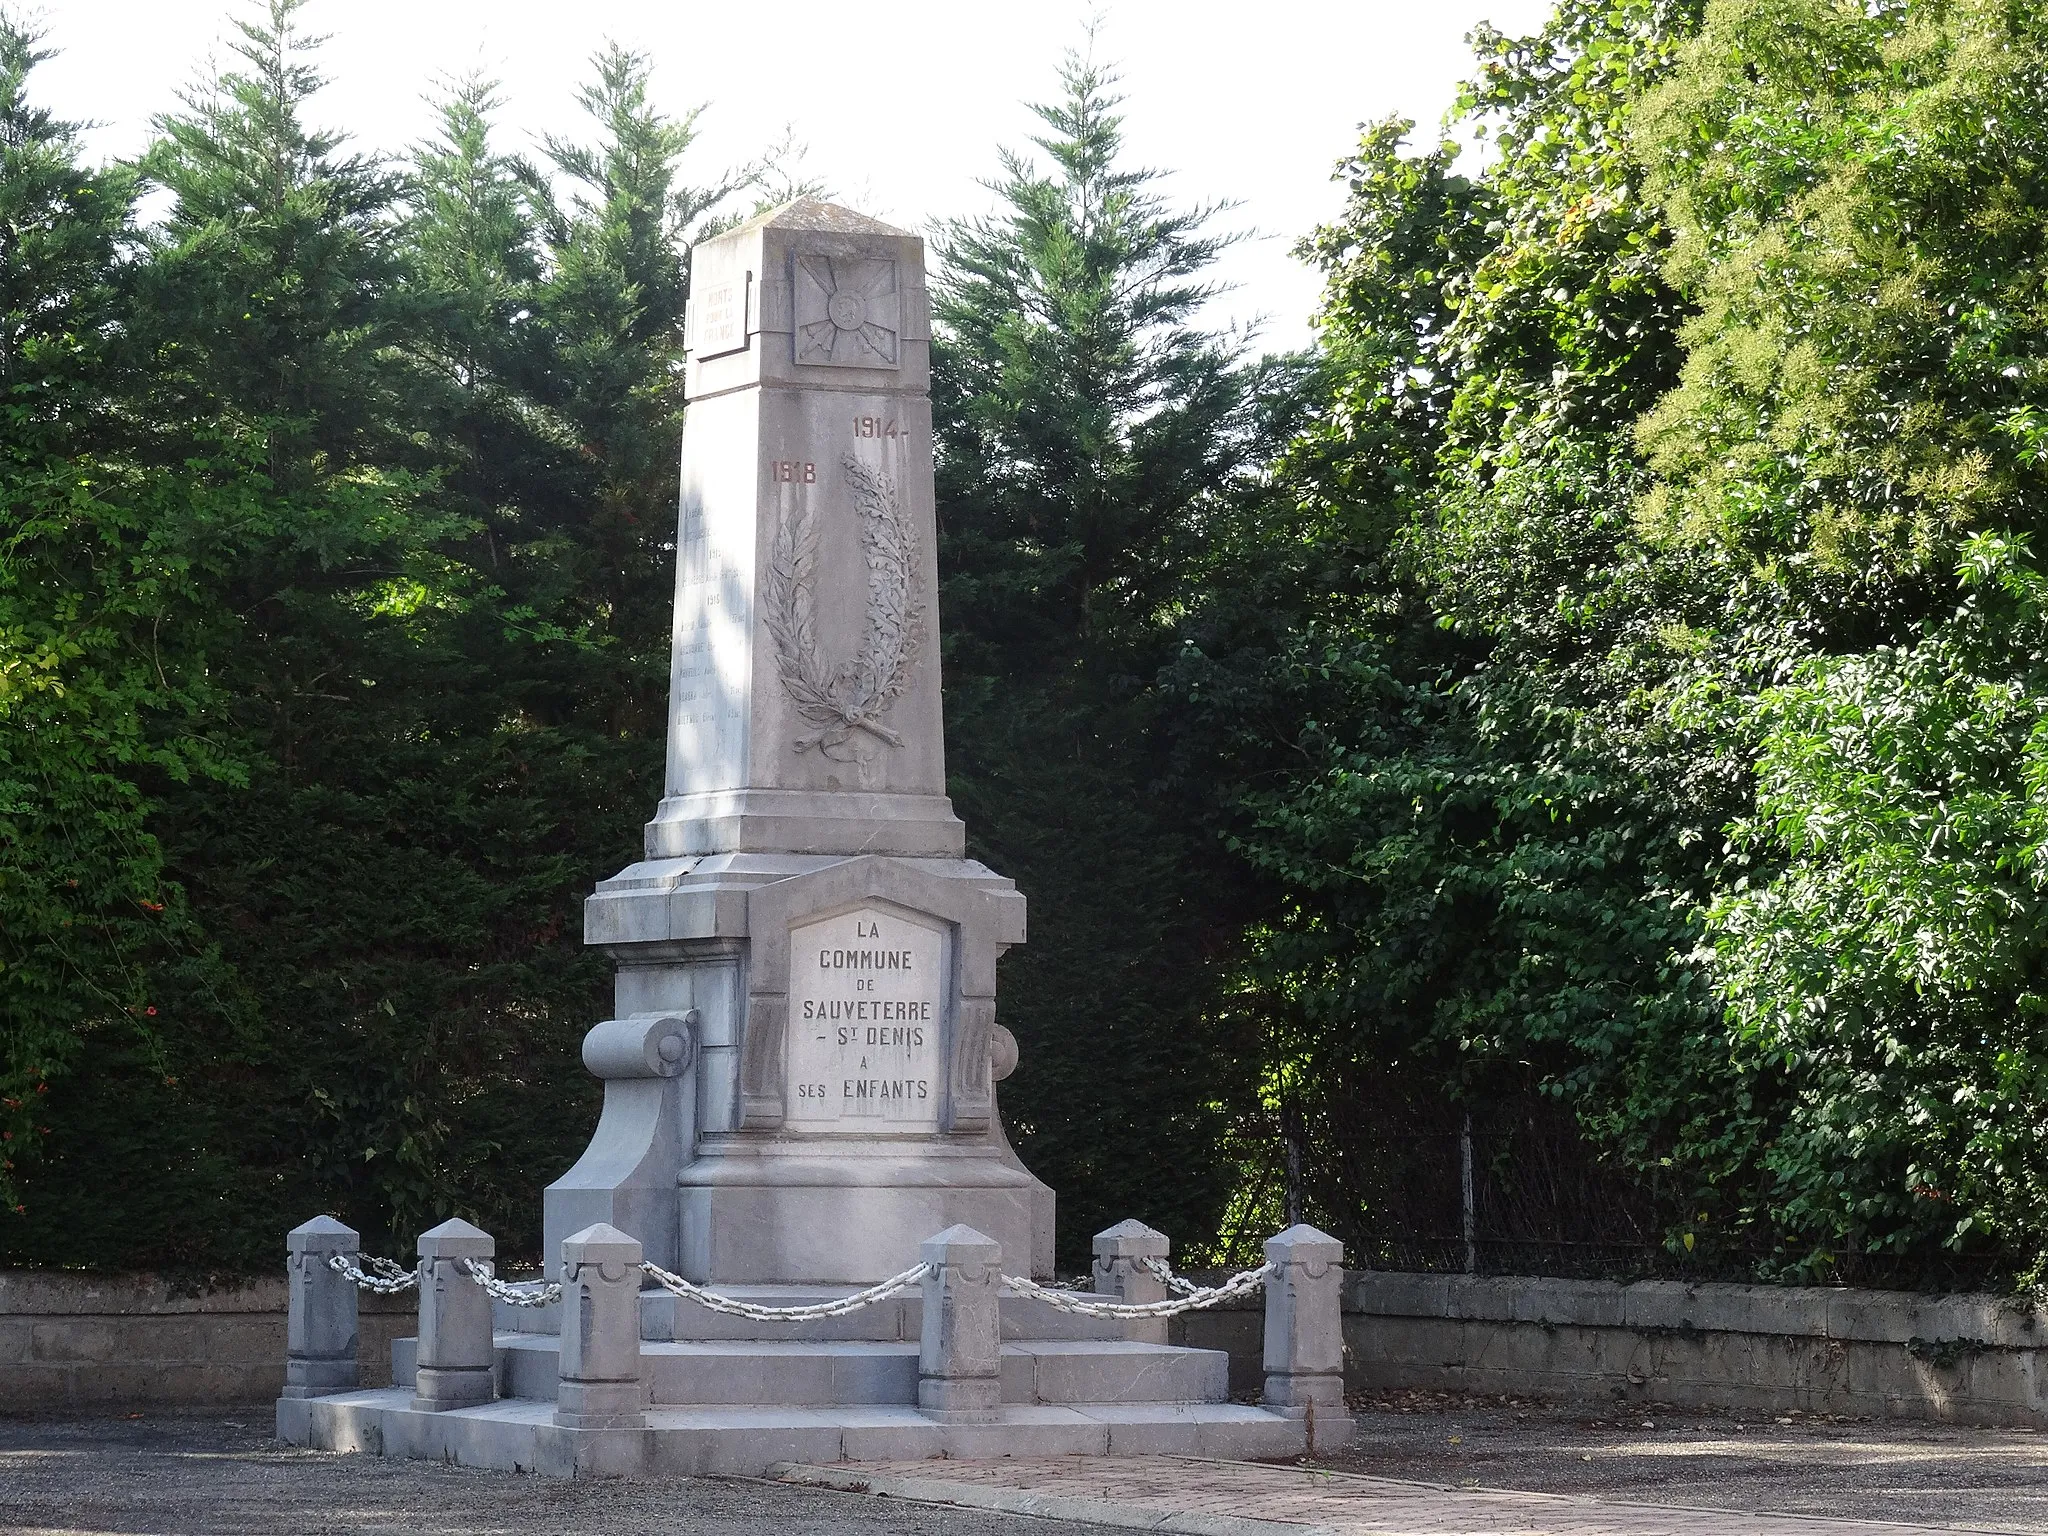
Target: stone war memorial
column 799, row 1233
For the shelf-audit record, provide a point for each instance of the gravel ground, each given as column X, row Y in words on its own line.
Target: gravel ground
column 1982, row 1479
column 214, row 1477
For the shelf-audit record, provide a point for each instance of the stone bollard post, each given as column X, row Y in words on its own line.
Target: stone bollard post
column 1119, row 1273
column 601, row 1385
column 959, row 1359
column 320, row 1317
column 1305, row 1333
column 456, row 1352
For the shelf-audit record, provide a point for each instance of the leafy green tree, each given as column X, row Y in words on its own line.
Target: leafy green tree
column 1855, row 202
column 1852, row 194
column 1891, row 967
column 1562, row 651
column 1490, row 832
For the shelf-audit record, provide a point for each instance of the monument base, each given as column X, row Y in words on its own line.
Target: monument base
column 781, row 1212
column 737, row 1157
column 843, row 1388
column 521, row 1436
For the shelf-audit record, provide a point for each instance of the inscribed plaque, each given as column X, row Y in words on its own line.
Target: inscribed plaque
column 720, row 316
column 867, row 1013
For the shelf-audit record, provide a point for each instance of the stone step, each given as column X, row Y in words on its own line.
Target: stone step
column 666, row 1316
column 858, row 1372
column 811, row 1375
column 519, row 1435
column 1112, row 1371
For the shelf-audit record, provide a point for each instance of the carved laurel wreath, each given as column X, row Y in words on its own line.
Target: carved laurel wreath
column 854, row 695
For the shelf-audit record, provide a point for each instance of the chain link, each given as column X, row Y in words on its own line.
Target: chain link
column 532, row 1294
column 1161, row 1271
column 1194, row 1299
column 386, row 1277
column 839, row 1307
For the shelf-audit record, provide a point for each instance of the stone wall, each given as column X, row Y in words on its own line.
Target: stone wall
column 1886, row 1354
column 73, row 1343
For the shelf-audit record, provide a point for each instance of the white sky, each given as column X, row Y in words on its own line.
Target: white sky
column 901, row 105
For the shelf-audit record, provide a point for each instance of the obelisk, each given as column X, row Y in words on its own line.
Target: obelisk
column 800, row 1077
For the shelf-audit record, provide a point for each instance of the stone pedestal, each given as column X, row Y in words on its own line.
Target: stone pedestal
column 1304, row 1353
column 456, row 1356
column 959, row 1357
column 1120, row 1270
column 320, row 1316
column 601, row 1378
column 804, row 899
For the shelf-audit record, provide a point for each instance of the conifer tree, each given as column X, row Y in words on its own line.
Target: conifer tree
column 1086, row 426
column 272, row 274
column 618, row 220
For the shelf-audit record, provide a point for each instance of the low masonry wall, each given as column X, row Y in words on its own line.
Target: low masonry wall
column 1880, row 1354
column 72, row 1343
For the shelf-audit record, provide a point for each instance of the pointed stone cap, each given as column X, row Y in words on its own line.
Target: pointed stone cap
column 960, row 1244
column 600, row 1243
column 323, row 1234
column 815, row 213
column 457, row 1239
column 1303, row 1244
column 1132, row 1240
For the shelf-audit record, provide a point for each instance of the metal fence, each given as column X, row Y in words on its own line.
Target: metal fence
column 1505, row 1183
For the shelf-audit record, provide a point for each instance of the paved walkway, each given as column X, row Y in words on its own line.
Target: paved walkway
column 205, row 1476
column 1222, row 1498
column 1580, row 1473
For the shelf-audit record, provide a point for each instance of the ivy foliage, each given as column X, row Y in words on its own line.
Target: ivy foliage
column 110, row 592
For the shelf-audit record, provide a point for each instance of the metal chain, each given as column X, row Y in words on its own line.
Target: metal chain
column 1161, row 1271
column 838, row 1307
column 388, row 1278
column 532, row 1294
column 1067, row 1301
column 384, row 1276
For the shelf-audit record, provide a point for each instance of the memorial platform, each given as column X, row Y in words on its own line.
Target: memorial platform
column 519, row 1435
column 843, row 1388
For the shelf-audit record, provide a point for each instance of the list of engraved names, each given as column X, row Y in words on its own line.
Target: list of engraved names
column 866, row 1015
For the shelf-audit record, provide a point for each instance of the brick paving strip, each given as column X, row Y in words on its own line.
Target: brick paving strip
column 1191, row 1496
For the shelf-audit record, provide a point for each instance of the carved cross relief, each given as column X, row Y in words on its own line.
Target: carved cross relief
column 849, row 312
